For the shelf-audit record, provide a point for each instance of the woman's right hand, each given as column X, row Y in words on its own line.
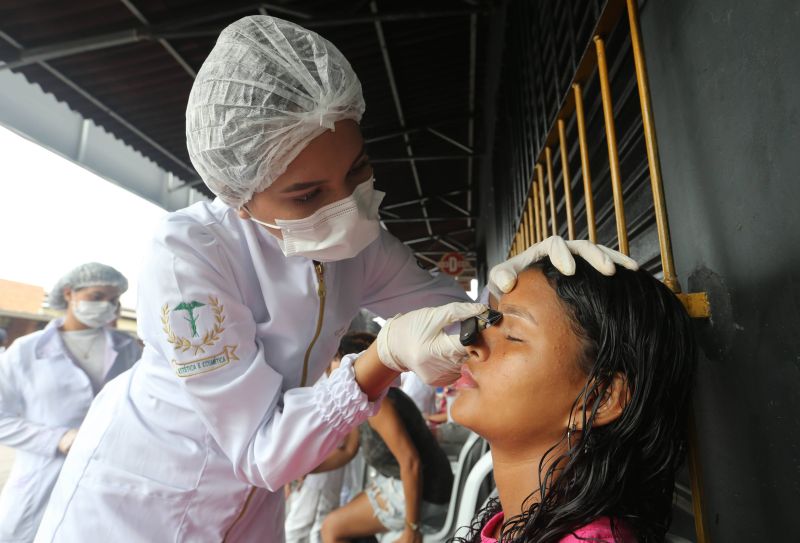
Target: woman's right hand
column 416, row 341
column 66, row 441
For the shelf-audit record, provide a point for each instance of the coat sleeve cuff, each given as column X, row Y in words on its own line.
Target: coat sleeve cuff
column 341, row 402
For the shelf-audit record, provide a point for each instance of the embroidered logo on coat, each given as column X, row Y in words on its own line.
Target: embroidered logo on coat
column 210, row 336
column 183, row 344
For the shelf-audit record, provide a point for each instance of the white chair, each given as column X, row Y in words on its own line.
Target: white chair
column 470, row 453
column 471, row 494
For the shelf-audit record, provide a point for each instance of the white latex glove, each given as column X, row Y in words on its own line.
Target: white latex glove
column 503, row 276
column 417, row 342
column 66, row 441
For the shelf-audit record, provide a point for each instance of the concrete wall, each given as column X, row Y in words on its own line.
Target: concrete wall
column 725, row 77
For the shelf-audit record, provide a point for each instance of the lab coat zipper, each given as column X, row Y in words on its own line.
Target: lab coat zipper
column 319, row 268
column 241, row 513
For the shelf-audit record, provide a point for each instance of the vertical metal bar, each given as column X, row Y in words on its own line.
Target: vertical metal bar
column 611, row 140
column 566, row 178
column 536, row 212
column 695, row 478
column 542, row 205
column 528, row 221
column 531, row 220
column 523, row 226
column 653, row 161
column 551, row 187
column 587, row 174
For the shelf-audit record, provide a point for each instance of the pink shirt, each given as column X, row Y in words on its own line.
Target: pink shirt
column 599, row 529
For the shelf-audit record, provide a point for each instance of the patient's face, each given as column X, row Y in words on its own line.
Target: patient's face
column 525, row 370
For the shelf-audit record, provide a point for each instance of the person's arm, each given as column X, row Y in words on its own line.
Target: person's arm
column 16, row 431
column 342, row 455
column 388, row 424
column 396, row 284
column 192, row 313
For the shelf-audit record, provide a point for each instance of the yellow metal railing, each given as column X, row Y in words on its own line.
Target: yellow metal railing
column 536, row 221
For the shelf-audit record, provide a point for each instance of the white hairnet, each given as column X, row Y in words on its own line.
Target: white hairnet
column 267, row 89
column 92, row 274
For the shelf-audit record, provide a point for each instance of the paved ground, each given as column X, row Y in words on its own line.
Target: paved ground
column 6, row 459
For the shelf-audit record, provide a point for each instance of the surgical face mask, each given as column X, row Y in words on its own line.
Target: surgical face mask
column 94, row 314
column 336, row 231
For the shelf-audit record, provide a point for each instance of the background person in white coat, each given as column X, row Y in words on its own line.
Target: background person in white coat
column 47, row 381
column 242, row 302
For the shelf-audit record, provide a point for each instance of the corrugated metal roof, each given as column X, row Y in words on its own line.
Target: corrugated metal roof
column 137, row 90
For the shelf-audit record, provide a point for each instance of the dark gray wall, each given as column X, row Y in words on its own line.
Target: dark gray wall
column 725, row 79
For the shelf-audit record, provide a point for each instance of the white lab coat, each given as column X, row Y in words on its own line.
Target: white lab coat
column 197, row 441
column 44, row 393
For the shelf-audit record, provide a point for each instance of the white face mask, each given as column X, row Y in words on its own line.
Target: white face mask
column 336, row 231
column 94, row 314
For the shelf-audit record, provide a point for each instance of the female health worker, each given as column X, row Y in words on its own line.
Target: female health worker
column 48, row 379
column 242, row 302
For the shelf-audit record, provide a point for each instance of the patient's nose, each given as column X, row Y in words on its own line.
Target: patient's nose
column 479, row 349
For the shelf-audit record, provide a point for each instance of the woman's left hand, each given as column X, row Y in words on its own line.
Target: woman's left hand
column 410, row 536
column 503, row 276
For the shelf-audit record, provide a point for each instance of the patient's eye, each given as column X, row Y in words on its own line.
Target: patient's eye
column 512, row 338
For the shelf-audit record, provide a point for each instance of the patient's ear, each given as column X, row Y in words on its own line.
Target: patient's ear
column 615, row 399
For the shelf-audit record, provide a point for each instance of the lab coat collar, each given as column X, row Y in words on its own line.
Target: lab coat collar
column 50, row 343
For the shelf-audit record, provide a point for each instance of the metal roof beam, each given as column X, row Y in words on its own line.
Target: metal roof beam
column 164, row 43
column 104, row 108
column 393, row 17
column 373, row 6
column 426, row 219
column 454, row 206
column 450, row 140
column 173, row 30
column 28, row 110
column 473, row 46
column 416, row 158
column 412, row 130
column 419, row 200
column 53, row 51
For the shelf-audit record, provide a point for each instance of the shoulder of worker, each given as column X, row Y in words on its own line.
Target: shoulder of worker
column 386, row 245
column 28, row 347
column 200, row 222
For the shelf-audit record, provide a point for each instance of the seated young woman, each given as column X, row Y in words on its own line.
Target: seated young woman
column 582, row 390
column 413, row 483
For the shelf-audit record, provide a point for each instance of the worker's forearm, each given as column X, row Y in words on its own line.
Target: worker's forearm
column 371, row 375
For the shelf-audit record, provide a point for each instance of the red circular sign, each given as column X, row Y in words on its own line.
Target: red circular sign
column 452, row 263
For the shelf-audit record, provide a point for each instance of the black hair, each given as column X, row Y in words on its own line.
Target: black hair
column 354, row 342
column 631, row 324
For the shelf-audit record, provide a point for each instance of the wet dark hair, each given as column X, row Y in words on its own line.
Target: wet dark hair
column 630, row 324
column 354, row 342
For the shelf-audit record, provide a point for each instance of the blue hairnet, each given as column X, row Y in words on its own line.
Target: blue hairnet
column 92, row 274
